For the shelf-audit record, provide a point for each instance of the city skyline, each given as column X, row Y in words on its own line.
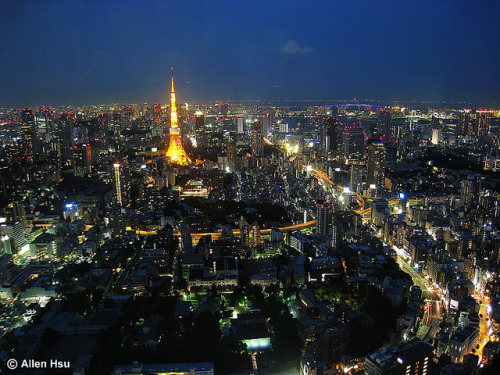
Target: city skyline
column 225, row 238
column 77, row 53
column 318, row 193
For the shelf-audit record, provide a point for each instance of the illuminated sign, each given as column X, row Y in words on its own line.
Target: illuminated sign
column 70, row 206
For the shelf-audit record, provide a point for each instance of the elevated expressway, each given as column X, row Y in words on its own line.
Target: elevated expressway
column 365, row 212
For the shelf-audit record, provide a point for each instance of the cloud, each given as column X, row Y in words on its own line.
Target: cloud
column 293, row 48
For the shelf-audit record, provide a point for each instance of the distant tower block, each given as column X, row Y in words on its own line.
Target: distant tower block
column 175, row 151
column 118, row 184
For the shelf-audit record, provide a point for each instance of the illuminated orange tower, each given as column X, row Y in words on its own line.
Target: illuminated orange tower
column 175, row 151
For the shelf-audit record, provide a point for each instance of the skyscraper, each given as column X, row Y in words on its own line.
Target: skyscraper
column 436, row 136
column 330, row 126
column 357, row 176
column 384, row 126
column 483, row 121
column 81, row 159
column 117, row 184
column 199, row 122
column 244, row 232
column 324, row 218
column 20, row 214
column 175, row 151
column 231, row 156
column 257, row 139
column 14, row 231
column 466, row 122
column 469, row 194
column 376, row 165
column 380, row 208
column 186, row 238
column 28, row 134
column 353, row 143
column 255, row 234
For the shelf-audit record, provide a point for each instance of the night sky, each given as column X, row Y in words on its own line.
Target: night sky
column 92, row 52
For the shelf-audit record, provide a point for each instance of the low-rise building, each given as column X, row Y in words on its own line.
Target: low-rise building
column 199, row 368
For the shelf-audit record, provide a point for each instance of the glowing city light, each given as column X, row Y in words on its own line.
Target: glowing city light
column 175, row 151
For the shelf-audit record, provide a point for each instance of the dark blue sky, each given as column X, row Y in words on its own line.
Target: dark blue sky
column 83, row 52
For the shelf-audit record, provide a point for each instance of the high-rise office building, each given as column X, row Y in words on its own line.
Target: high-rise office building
column 81, row 159
column 65, row 139
column 240, row 125
column 14, row 231
column 357, row 176
column 5, row 267
column 469, row 195
column 257, row 139
column 20, row 214
column 268, row 121
column 5, row 245
column 28, row 135
column 473, row 123
column 44, row 118
column 118, row 222
column 330, row 139
column 136, row 194
column 117, row 181
column 231, row 156
column 466, row 122
column 244, row 233
column 376, row 165
column 186, row 239
column 345, row 224
column 256, row 234
column 324, row 218
column 436, row 136
column 199, row 122
column 383, row 126
column 483, row 120
column 353, row 143
column 380, row 208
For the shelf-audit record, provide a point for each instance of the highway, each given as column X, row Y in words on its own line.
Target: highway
column 365, row 212
column 322, row 175
column 432, row 313
column 236, row 232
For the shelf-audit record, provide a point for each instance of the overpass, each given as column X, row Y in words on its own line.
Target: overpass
column 365, row 212
column 236, row 232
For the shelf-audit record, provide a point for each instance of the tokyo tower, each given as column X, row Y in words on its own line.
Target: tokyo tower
column 175, row 151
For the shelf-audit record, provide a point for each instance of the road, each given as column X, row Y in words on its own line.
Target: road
column 236, row 232
column 432, row 313
column 322, row 175
column 484, row 322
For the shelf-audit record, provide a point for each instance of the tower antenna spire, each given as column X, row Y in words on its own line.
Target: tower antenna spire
column 172, row 78
column 175, row 151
